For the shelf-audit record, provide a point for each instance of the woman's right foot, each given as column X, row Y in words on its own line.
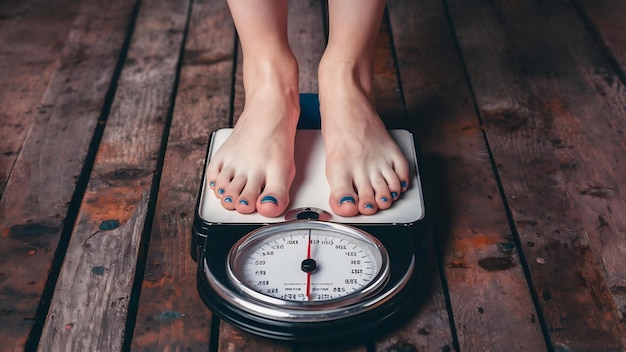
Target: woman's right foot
column 254, row 168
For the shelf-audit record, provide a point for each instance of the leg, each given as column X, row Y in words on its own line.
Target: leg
column 365, row 168
column 255, row 167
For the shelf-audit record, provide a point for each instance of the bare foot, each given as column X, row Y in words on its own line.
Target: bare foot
column 365, row 168
column 254, row 168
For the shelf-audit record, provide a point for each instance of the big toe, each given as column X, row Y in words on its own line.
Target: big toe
column 344, row 201
column 274, row 198
column 272, row 203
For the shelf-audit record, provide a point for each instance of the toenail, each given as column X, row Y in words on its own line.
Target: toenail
column 347, row 199
column 394, row 195
column 269, row 199
column 403, row 184
column 212, row 184
column 228, row 200
column 384, row 199
column 243, row 201
column 220, row 191
column 369, row 206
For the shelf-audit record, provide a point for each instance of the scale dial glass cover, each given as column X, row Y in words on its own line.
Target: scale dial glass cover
column 308, row 265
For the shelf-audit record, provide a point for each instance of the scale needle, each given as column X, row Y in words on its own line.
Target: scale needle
column 308, row 274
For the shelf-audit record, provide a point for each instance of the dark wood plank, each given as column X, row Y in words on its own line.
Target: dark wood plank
column 386, row 86
column 341, row 346
column 32, row 37
column 553, row 114
column 234, row 339
column 35, row 202
column 171, row 314
column 606, row 19
column 430, row 312
column 306, row 38
column 90, row 303
column 489, row 296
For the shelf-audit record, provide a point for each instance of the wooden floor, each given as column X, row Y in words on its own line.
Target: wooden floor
column 106, row 107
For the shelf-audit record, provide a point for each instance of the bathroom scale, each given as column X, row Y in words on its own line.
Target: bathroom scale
column 310, row 275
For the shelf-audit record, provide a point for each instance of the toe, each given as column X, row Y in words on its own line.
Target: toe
column 344, row 201
column 247, row 201
column 244, row 206
column 232, row 191
column 228, row 202
column 382, row 193
column 212, row 171
column 384, row 201
column 272, row 203
column 367, row 206
column 367, row 200
column 222, row 182
column 393, row 183
column 401, row 169
column 274, row 198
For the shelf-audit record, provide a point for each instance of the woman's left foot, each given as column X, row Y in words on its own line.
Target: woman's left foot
column 365, row 168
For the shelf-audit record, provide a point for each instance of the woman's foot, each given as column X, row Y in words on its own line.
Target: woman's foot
column 254, row 168
column 365, row 168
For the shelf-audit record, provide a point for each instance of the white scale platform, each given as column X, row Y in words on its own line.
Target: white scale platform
column 310, row 188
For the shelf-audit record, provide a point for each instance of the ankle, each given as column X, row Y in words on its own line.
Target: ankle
column 281, row 69
column 336, row 75
column 272, row 83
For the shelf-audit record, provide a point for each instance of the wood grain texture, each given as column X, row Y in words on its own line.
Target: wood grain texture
column 386, row 87
column 171, row 314
column 427, row 328
column 35, row 202
column 546, row 93
column 345, row 345
column 32, row 37
column 482, row 269
column 553, row 109
column 89, row 307
column 232, row 339
column 606, row 20
column 306, row 38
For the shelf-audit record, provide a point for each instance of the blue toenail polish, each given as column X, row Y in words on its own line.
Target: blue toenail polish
column 228, row 200
column 394, row 195
column 243, row 201
column 347, row 199
column 212, row 184
column 220, row 191
column 384, row 199
column 369, row 206
column 269, row 199
column 403, row 184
